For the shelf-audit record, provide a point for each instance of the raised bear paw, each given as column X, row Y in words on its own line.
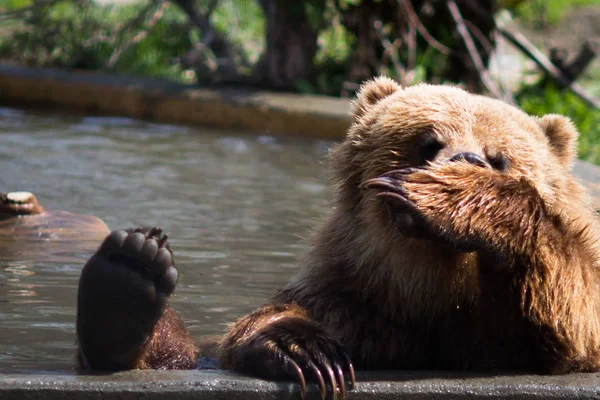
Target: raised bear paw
column 123, row 291
column 446, row 203
column 299, row 349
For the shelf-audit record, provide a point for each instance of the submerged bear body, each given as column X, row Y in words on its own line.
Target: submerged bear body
column 29, row 232
column 457, row 240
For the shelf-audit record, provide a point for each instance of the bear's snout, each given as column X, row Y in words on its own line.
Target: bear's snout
column 471, row 158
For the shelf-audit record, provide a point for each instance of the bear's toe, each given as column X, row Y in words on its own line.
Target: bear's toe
column 133, row 243
column 168, row 280
column 114, row 241
column 144, row 251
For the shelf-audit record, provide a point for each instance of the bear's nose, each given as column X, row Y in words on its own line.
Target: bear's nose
column 471, row 158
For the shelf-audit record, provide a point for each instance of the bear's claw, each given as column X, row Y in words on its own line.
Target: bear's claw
column 332, row 367
column 390, row 186
column 405, row 213
column 302, row 350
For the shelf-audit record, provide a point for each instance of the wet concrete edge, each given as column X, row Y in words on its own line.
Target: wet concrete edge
column 225, row 385
column 275, row 113
column 168, row 102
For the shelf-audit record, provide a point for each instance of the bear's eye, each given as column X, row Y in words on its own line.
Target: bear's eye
column 499, row 162
column 429, row 147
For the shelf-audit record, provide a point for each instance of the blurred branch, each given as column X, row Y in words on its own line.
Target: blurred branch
column 137, row 20
column 413, row 19
column 548, row 67
column 502, row 78
column 7, row 15
column 201, row 21
column 391, row 51
column 588, row 52
column 140, row 17
column 220, row 47
column 483, row 41
column 481, row 13
column 473, row 53
column 489, row 49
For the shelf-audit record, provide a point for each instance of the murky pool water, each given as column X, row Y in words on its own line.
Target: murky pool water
column 236, row 208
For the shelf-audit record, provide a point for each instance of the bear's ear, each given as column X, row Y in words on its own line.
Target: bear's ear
column 371, row 92
column 562, row 135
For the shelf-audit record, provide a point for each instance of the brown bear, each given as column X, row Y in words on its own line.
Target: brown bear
column 457, row 240
column 30, row 232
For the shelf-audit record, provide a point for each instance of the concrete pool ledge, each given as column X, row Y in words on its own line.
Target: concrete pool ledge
column 173, row 103
column 217, row 385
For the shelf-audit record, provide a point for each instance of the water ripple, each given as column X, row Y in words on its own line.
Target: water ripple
column 234, row 205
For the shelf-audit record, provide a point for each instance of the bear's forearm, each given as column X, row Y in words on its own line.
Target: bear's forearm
column 554, row 263
column 559, row 296
column 170, row 347
column 241, row 338
column 280, row 341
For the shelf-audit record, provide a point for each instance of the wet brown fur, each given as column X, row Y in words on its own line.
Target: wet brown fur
column 519, row 290
column 506, row 276
column 169, row 347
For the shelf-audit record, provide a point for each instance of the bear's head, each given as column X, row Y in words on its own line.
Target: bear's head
column 418, row 126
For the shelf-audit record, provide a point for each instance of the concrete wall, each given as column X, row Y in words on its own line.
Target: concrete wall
column 168, row 102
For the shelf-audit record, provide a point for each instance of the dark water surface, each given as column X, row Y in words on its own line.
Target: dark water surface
column 236, row 208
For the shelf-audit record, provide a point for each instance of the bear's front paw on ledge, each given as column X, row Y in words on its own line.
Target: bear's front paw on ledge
column 123, row 291
column 299, row 349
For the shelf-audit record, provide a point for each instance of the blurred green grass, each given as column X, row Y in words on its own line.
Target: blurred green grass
column 551, row 100
column 541, row 13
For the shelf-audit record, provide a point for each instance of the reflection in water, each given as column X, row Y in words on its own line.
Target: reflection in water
column 19, row 292
column 235, row 206
column 24, row 270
